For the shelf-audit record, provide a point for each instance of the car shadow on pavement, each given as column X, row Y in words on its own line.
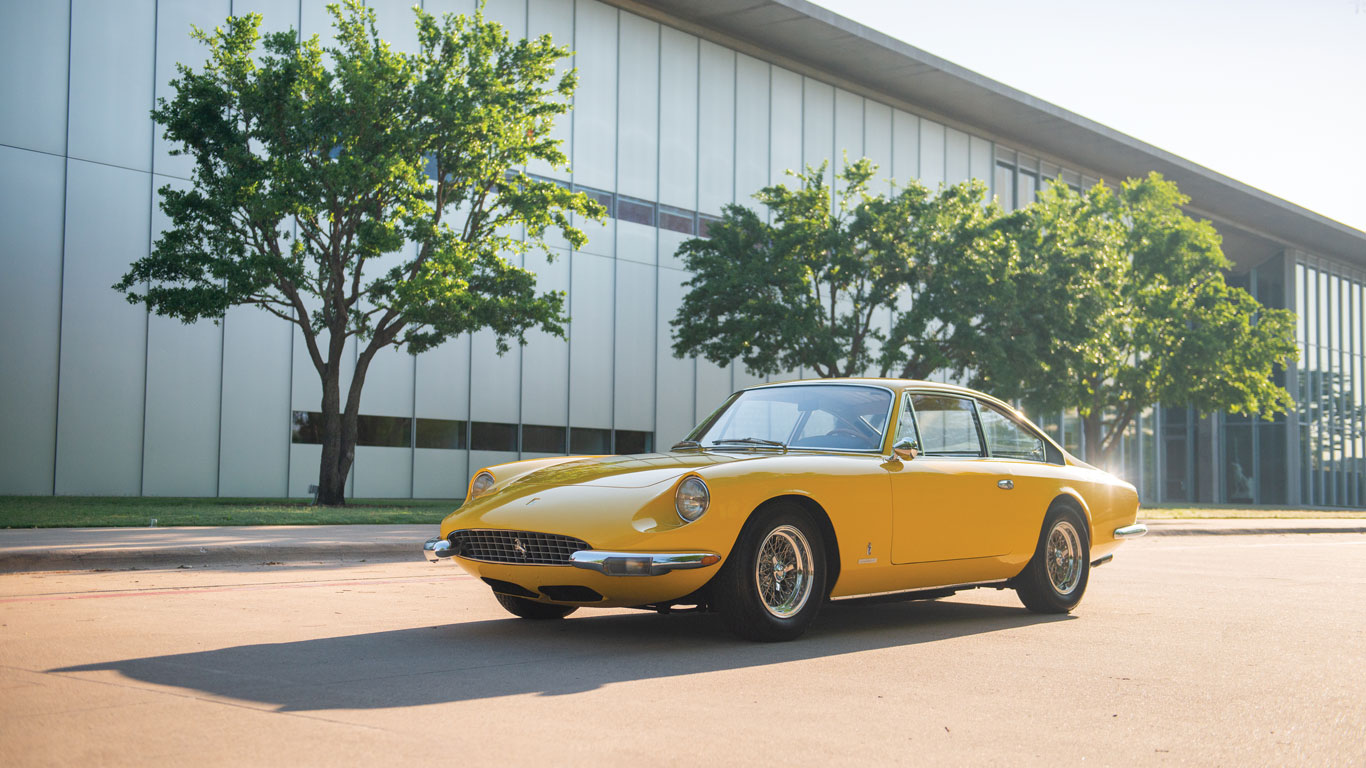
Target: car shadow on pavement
column 486, row 659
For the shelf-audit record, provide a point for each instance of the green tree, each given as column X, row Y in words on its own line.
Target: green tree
column 312, row 196
column 822, row 286
column 1115, row 301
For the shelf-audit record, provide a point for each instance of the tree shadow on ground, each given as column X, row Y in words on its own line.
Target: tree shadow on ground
column 487, row 659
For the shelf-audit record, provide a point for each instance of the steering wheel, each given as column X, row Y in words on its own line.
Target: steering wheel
column 846, row 431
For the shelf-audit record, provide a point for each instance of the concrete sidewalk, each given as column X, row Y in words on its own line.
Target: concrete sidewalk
column 54, row 549
column 60, row 549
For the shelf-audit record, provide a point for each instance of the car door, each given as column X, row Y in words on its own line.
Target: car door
column 1036, row 471
column 953, row 500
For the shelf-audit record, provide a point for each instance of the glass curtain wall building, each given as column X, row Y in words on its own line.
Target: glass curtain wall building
column 683, row 107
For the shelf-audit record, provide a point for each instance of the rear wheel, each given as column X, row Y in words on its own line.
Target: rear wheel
column 773, row 583
column 530, row 609
column 1056, row 577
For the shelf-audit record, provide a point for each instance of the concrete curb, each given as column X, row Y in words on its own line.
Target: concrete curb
column 204, row 557
column 1254, row 526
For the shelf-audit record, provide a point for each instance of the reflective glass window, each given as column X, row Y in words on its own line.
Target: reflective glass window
column 1005, row 186
column 440, row 433
column 603, row 198
column 537, row 438
column 947, row 425
column 493, row 436
column 1007, row 438
column 590, row 441
column 384, row 431
column 704, row 224
column 1025, row 184
column 676, row 220
column 638, row 211
column 630, row 441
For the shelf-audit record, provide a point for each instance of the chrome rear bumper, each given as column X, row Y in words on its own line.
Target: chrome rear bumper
column 1131, row 531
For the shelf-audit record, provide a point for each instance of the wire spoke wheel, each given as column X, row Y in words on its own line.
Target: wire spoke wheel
column 783, row 571
column 1063, row 557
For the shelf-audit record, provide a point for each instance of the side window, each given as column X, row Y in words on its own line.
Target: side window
column 948, row 425
column 1008, row 439
column 905, row 424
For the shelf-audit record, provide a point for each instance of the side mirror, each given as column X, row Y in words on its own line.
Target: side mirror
column 906, row 449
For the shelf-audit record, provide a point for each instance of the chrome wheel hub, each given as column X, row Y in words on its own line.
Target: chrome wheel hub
column 783, row 571
column 1064, row 558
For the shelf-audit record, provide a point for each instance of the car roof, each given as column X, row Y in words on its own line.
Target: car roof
column 896, row 385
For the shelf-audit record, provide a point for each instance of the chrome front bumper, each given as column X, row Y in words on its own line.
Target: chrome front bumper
column 1131, row 531
column 609, row 563
column 437, row 549
column 641, row 563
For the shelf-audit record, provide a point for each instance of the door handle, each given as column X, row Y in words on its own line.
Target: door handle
column 1005, row 485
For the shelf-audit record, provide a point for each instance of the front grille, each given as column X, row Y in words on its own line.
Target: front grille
column 517, row 547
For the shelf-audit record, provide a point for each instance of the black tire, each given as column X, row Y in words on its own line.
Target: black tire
column 1066, row 539
column 523, row 608
column 794, row 597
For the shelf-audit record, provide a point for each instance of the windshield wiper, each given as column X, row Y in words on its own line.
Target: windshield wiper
column 748, row 441
column 681, row 444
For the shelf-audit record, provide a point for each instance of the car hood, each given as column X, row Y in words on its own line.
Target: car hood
column 636, row 471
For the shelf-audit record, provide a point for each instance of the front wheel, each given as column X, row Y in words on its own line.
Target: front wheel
column 530, row 609
column 773, row 583
column 1056, row 576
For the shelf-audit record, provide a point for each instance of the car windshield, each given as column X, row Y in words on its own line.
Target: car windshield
column 828, row 416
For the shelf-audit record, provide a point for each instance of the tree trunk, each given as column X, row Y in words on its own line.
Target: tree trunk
column 1093, row 434
column 331, row 475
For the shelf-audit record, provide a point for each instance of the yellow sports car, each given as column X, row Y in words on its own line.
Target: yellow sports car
column 792, row 494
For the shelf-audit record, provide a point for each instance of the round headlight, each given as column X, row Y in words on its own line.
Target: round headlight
column 691, row 499
column 482, row 483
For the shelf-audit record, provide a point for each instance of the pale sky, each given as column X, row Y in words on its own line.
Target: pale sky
column 1269, row 92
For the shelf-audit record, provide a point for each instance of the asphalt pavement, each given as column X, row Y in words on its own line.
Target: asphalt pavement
column 1229, row 649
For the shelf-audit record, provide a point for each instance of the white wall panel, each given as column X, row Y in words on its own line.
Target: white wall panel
column 443, row 381
column 30, row 312
column 979, row 162
column 276, row 15
column 669, row 242
column 590, row 350
column 636, row 242
column 382, row 473
column 818, row 125
column 441, row 7
column 184, row 374
column 397, row 22
column 33, row 41
column 315, row 20
column 717, row 129
column 554, row 18
column 752, row 153
column 112, row 47
column 545, row 358
column 303, row 470
column 905, row 146
column 634, row 365
column 956, row 160
column 675, row 386
column 638, row 108
column 931, row 153
column 510, row 13
column 103, row 352
column 388, row 389
column 254, row 455
column 494, row 393
column 174, row 45
column 306, row 389
column 602, row 235
column 440, row 474
column 848, row 126
column 877, row 141
column 785, row 144
column 595, row 100
column 714, row 385
column 678, row 76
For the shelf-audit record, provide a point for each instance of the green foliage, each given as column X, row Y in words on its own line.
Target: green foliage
column 1115, row 301
column 311, row 196
column 815, row 288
